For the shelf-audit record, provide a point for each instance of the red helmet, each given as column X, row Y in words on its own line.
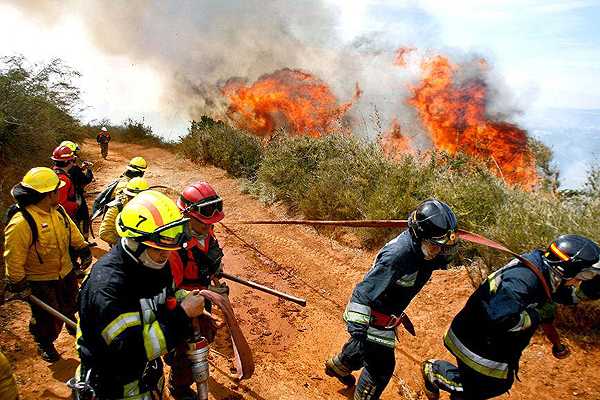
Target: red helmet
column 200, row 201
column 63, row 153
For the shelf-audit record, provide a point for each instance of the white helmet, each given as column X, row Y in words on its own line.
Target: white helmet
column 103, row 129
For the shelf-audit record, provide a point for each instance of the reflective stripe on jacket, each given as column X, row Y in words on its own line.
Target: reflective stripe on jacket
column 398, row 274
column 497, row 322
column 128, row 317
column 20, row 256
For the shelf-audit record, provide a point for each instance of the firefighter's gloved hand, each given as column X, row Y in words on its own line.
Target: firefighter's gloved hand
column 547, row 312
column 85, row 255
column 221, row 288
column 193, row 304
column 17, row 291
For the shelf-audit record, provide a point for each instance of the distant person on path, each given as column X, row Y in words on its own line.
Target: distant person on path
column 81, row 175
column 103, row 138
column 401, row 269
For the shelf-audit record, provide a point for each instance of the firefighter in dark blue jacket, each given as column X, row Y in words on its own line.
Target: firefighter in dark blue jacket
column 489, row 334
column 376, row 308
column 130, row 314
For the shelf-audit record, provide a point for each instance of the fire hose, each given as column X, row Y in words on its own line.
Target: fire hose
column 266, row 289
column 558, row 348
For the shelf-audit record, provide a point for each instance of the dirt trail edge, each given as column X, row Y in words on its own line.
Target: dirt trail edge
column 290, row 343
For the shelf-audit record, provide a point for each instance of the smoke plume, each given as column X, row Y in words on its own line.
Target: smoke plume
column 198, row 45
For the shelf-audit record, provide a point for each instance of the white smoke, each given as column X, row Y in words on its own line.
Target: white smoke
column 198, row 44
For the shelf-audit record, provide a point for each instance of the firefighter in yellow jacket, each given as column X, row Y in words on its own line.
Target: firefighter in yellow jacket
column 8, row 386
column 108, row 227
column 38, row 239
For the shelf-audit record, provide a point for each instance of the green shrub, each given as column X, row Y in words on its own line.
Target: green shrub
column 214, row 142
column 341, row 177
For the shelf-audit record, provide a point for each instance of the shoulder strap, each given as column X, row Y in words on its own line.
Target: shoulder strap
column 12, row 210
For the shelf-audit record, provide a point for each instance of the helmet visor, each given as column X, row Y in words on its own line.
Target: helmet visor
column 171, row 236
column 206, row 208
column 449, row 239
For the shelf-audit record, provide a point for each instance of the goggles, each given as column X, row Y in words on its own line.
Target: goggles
column 171, row 236
column 449, row 239
column 206, row 208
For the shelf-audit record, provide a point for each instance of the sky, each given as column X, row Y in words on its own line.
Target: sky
column 546, row 51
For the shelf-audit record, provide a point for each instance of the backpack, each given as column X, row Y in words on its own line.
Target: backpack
column 103, row 198
column 14, row 208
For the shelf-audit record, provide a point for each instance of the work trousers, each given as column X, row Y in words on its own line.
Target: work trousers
column 377, row 361
column 464, row 383
column 60, row 294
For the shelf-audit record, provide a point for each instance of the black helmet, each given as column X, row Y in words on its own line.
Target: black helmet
column 434, row 222
column 568, row 255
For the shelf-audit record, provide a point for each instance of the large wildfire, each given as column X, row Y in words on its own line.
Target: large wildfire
column 451, row 106
column 289, row 98
column 454, row 114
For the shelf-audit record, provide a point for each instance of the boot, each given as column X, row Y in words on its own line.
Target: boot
column 331, row 370
column 182, row 393
column 48, row 353
column 431, row 390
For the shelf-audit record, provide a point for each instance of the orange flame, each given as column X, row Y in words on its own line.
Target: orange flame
column 400, row 56
column 455, row 116
column 289, row 98
column 394, row 144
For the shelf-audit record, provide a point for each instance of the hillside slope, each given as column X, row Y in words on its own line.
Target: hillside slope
column 290, row 343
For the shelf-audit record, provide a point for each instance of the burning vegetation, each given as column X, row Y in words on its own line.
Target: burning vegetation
column 288, row 98
column 454, row 114
column 451, row 104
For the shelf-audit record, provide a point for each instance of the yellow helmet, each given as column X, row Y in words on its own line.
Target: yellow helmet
column 137, row 164
column 154, row 220
column 71, row 145
column 135, row 186
column 42, row 180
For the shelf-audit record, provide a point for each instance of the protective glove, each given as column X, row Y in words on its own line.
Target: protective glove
column 220, row 288
column 17, row 291
column 85, row 257
column 546, row 312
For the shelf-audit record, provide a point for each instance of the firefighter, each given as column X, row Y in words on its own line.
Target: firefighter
column 135, row 168
column 63, row 159
column 8, row 386
column 489, row 334
column 401, row 269
column 195, row 266
column 108, row 228
column 103, row 138
column 130, row 313
column 37, row 239
column 81, row 175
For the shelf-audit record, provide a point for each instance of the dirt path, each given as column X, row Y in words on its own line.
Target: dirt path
column 290, row 343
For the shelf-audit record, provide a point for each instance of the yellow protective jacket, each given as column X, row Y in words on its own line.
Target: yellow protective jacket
column 108, row 227
column 120, row 186
column 20, row 257
column 8, row 386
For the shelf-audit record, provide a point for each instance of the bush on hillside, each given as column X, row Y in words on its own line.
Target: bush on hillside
column 37, row 106
column 213, row 142
column 341, row 177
